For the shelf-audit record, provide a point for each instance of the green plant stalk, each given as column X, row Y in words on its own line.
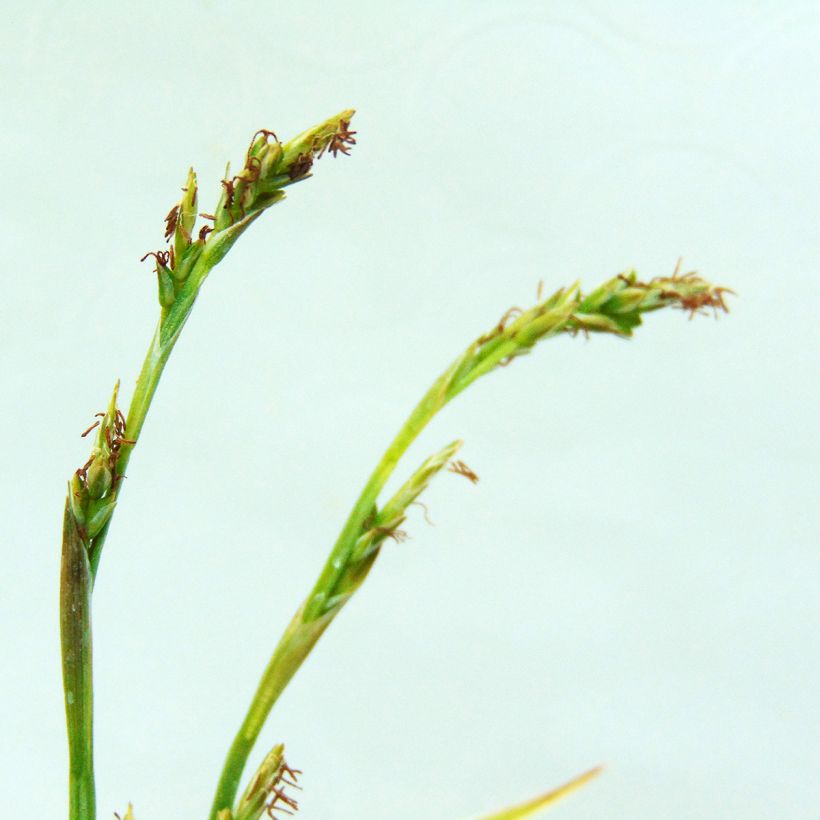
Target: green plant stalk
column 269, row 167
column 313, row 617
column 79, row 573
column 75, row 639
column 615, row 308
column 167, row 332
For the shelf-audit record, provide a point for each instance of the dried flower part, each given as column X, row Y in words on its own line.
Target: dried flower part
column 333, row 135
column 460, row 468
column 267, row 790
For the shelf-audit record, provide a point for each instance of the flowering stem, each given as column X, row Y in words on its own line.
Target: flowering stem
column 615, row 308
column 94, row 489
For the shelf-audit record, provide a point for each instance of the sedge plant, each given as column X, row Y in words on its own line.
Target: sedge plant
column 196, row 243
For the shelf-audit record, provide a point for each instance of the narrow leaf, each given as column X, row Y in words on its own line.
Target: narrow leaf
column 531, row 807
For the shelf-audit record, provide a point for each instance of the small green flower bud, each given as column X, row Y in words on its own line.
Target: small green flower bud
column 98, row 479
column 186, row 217
column 625, row 301
column 187, row 208
column 165, row 283
column 98, row 514
column 186, row 262
column 77, row 498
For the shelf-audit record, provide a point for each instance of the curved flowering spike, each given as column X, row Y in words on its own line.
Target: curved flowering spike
column 615, row 307
column 271, row 166
column 535, row 805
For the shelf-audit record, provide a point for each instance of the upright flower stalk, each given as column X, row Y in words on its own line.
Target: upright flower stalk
column 269, row 167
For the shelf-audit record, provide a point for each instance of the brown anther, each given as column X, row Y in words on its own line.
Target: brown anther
column 253, row 165
column 81, row 472
column 96, row 424
column 265, row 132
column 460, row 468
column 696, row 302
column 340, row 140
column 261, row 132
column 162, row 257
column 209, row 216
column 301, row 165
column 204, row 231
column 171, row 222
column 227, row 184
column 279, row 794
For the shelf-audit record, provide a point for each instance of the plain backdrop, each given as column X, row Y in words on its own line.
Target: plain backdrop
column 633, row 582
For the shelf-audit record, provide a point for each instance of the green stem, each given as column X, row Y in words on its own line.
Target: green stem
column 337, row 561
column 79, row 570
column 293, row 647
column 314, row 616
column 75, row 640
column 165, row 336
column 615, row 307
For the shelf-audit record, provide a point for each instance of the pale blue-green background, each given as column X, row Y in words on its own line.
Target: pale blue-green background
column 633, row 581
